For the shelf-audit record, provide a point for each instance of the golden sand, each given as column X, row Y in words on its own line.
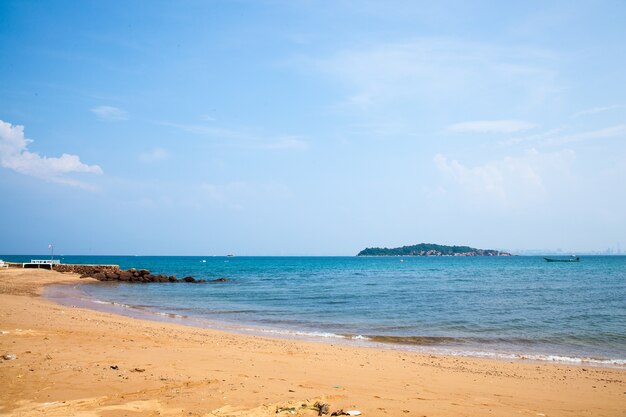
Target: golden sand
column 76, row 362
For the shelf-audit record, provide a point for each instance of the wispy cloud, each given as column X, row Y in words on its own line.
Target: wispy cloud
column 607, row 132
column 154, row 155
column 437, row 69
column 594, row 110
column 211, row 131
column 540, row 137
column 491, row 126
column 243, row 137
column 207, row 118
column 289, row 143
column 560, row 136
column 14, row 155
column 224, row 194
column 109, row 113
column 512, row 180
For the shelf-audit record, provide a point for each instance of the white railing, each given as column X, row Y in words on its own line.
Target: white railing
column 45, row 261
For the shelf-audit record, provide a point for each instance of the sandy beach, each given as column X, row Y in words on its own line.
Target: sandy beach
column 69, row 361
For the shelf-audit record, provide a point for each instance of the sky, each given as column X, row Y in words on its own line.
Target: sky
column 270, row 127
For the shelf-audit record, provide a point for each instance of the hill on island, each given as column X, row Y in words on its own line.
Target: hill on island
column 431, row 249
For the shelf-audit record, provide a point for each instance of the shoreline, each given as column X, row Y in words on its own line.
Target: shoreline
column 72, row 360
column 80, row 298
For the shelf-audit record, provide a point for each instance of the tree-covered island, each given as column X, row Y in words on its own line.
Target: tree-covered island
column 431, row 249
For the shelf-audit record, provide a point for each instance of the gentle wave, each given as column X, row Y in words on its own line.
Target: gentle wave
column 424, row 344
column 522, row 307
column 430, row 341
column 413, row 340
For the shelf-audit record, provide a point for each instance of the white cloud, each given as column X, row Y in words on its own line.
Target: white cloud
column 491, row 126
column 594, row 110
column 289, row 143
column 607, row 132
column 511, row 180
column 225, row 194
column 434, row 70
column 536, row 137
column 212, row 131
column 110, row 113
column 14, row 155
column 560, row 136
column 244, row 137
column 154, row 155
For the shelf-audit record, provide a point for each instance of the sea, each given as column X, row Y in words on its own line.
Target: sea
column 519, row 307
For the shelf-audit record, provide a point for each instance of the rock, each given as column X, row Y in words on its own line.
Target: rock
column 219, row 280
column 125, row 276
column 9, row 357
column 112, row 276
column 322, row 408
column 115, row 367
column 133, row 275
column 138, row 370
column 100, row 276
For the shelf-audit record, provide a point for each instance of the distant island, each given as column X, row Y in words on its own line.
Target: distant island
column 431, row 249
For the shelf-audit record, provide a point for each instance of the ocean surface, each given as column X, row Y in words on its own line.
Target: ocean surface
column 507, row 307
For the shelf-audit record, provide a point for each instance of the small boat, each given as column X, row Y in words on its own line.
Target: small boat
column 571, row 259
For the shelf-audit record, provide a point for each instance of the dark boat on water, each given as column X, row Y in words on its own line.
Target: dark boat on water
column 571, row 259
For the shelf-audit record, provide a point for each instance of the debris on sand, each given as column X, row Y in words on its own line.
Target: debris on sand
column 322, row 408
column 290, row 410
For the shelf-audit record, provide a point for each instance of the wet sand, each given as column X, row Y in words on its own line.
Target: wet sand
column 72, row 361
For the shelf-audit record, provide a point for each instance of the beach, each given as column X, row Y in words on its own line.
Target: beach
column 70, row 361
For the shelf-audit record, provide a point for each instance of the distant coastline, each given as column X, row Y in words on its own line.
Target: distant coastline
column 431, row 249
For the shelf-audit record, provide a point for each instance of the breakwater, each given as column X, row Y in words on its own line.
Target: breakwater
column 87, row 269
column 133, row 275
column 103, row 272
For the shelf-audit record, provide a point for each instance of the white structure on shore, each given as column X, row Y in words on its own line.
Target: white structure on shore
column 41, row 263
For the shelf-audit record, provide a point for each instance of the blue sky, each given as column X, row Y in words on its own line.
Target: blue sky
column 311, row 127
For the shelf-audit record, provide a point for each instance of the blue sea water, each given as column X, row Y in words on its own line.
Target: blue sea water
column 511, row 307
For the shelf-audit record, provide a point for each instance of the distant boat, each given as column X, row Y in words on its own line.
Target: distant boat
column 230, row 255
column 571, row 259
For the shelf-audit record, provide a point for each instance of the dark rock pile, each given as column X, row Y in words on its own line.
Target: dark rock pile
column 85, row 269
column 140, row 276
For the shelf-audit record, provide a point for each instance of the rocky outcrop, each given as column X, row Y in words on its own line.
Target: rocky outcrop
column 86, row 269
column 136, row 275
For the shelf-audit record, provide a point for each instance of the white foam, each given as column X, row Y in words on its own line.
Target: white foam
column 561, row 359
column 296, row 333
column 170, row 315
